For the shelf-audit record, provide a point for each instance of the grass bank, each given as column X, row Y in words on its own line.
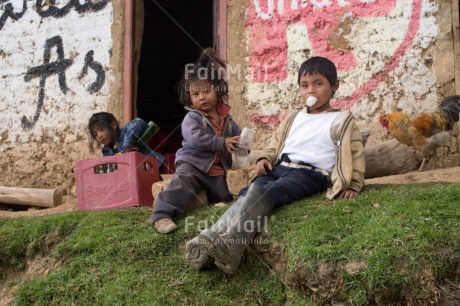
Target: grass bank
column 392, row 244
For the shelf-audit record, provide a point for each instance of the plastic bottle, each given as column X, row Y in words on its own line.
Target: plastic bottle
column 244, row 145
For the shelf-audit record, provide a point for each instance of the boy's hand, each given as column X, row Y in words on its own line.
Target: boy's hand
column 262, row 167
column 348, row 194
column 231, row 143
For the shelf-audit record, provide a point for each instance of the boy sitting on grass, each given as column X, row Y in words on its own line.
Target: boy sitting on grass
column 313, row 150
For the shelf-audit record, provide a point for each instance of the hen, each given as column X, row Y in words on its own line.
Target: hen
column 428, row 130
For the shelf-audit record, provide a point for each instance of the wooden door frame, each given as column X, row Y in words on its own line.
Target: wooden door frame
column 220, row 27
column 128, row 62
column 220, row 40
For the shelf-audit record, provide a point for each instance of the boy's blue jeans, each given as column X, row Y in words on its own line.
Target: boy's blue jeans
column 286, row 185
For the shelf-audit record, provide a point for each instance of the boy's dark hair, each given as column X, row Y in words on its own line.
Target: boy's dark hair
column 209, row 68
column 318, row 64
column 104, row 120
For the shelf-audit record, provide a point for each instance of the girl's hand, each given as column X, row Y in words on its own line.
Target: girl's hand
column 348, row 194
column 262, row 166
column 231, row 143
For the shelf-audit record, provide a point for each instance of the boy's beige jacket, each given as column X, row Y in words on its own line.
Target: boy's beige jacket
column 348, row 172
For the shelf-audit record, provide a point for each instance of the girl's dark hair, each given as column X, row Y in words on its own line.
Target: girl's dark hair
column 209, row 68
column 318, row 64
column 104, row 120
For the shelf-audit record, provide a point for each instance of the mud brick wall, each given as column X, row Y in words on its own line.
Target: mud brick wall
column 59, row 62
column 392, row 55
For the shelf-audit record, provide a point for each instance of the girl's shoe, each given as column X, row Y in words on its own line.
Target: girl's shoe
column 165, row 226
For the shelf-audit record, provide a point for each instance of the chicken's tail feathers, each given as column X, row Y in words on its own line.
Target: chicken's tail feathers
column 437, row 140
column 450, row 107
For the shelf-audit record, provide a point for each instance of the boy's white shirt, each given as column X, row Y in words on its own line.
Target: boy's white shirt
column 309, row 140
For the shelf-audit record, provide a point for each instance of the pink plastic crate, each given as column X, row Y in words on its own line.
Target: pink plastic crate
column 116, row 181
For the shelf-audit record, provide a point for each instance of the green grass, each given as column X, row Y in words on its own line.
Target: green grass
column 114, row 257
column 394, row 229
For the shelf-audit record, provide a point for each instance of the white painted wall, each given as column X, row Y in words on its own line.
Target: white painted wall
column 23, row 41
column 375, row 41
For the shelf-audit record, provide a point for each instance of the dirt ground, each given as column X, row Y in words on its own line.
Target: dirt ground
column 69, row 203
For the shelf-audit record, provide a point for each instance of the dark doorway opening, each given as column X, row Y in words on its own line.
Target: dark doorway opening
column 175, row 31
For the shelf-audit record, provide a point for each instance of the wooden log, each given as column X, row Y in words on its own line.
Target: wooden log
column 30, row 196
column 389, row 158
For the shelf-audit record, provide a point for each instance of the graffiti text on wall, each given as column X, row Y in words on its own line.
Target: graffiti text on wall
column 52, row 8
column 59, row 67
column 328, row 23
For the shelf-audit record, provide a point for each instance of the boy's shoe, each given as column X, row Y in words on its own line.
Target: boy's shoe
column 208, row 247
column 197, row 254
column 165, row 226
